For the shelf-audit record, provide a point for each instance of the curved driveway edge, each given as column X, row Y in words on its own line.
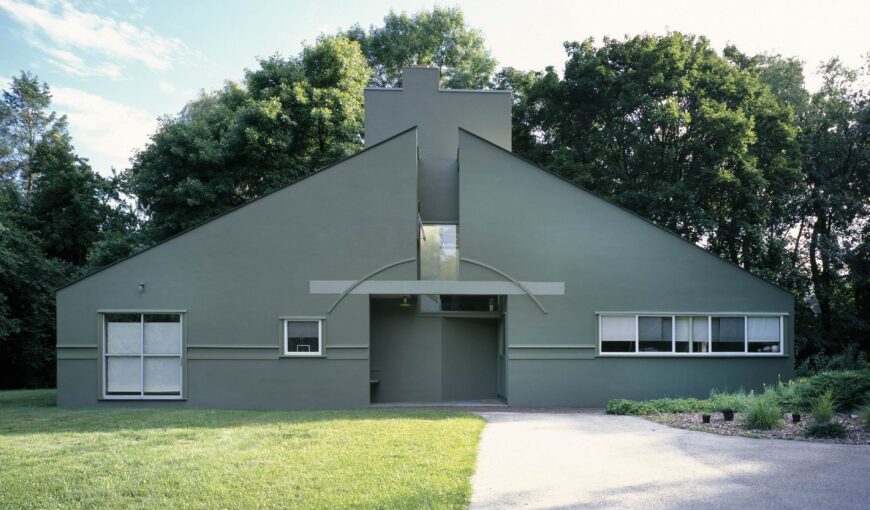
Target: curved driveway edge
column 555, row 461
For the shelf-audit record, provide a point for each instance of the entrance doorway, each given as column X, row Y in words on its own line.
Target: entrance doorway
column 423, row 357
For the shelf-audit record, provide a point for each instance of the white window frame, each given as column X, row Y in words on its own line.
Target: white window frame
column 104, row 355
column 710, row 352
column 320, row 337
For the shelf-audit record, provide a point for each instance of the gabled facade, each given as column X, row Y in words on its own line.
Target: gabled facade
column 432, row 266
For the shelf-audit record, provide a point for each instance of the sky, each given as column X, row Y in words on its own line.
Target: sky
column 114, row 67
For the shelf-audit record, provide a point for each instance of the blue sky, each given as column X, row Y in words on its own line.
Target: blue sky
column 115, row 66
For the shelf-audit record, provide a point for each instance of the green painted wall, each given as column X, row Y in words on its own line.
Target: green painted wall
column 469, row 359
column 536, row 227
column 406, row 354
column 239, row 273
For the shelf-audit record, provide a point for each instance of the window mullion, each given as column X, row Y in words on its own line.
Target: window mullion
column 142, row 355
column 745, row 335
column 637, row 334
column 709, row 334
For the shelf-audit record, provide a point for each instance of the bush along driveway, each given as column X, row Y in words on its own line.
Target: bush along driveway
column 827, row 407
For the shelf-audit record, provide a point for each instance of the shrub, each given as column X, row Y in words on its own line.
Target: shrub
column 823, row 408
column 847, row 388
column 851, row 358
column 661, row 405
column 622, row 406
column 865, row 416
column 826, row 429
column 784, row 394
column 763, row 413
column 736, row 402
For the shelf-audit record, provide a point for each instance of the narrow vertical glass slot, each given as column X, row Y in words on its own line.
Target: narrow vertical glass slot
column 439, row 252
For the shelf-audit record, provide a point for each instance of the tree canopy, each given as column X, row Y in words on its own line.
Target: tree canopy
column 438, row 38
column 728, row 150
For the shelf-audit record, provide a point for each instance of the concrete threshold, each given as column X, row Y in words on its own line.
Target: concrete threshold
column 452, row 404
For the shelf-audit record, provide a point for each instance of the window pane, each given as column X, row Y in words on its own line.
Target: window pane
column 303, row 336
column 654, row 334
column 763, row 329
column 162, row 334
column 611, row 346
column 163, row 376
column 617, row 328
column 439, row 252
column 683, row 331
column 467, row 303
column 123, row 375
column 764, row 346
column 728, row 334
column 700, row 334
column 123, row 333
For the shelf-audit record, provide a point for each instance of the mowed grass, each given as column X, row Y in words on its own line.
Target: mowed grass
column 178, row 458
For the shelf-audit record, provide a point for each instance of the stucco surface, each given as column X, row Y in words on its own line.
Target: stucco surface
column 593, row 460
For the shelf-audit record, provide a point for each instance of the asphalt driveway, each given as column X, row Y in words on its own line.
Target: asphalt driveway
column 593, row 460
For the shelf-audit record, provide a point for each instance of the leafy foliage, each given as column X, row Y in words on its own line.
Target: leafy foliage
column 823, row 407
column 864, row 413
column 292, row 116
column 438, row 38
column 736, row 402
column 668, row 128
column 763, row 413
column 828, row 429
column 847, row 388
column 662, row 405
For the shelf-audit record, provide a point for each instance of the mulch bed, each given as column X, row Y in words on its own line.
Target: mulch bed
column 792, row 431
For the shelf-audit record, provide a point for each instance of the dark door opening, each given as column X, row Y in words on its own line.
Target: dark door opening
column 421, row 357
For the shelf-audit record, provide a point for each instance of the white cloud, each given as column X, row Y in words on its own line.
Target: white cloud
column 167, row 87
column 104, row 131
column 76, row 66
column 68, row 27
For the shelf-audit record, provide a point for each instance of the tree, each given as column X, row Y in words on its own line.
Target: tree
column 530, row 90
column 65, row 207
column 24, row 121
column 437, row 38
column 27, row 283
column 292, row 116
column 835, row 141
column 668, row 128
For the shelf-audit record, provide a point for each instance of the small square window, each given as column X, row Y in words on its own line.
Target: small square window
column 303, row 337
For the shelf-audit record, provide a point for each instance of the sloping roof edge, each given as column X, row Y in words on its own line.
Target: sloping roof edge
column 231, row 210
column 611, row 202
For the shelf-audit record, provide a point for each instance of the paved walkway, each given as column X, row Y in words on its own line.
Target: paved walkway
column 593, row 460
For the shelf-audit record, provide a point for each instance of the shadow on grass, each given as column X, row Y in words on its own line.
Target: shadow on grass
column 25, row 412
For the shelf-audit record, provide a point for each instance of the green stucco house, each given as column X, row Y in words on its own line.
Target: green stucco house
column 434, row 265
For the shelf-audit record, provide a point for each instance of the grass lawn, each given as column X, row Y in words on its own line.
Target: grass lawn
column 178, row 458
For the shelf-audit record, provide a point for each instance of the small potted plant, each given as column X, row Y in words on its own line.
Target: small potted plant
column 728, row 414
column 795, row 415
column 705, row 417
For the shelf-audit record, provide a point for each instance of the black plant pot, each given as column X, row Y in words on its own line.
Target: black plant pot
column 705, row 418
column 728, row 415
column 795, row 417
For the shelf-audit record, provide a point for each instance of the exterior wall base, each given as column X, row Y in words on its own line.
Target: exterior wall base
column 591, row 383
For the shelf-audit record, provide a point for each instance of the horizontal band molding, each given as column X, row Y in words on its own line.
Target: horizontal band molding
column 134, row 310
column 232, row 346
column 416, row 287
column 696, row 314
column 69, row 346
column 346, row 347
column 550, row 346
